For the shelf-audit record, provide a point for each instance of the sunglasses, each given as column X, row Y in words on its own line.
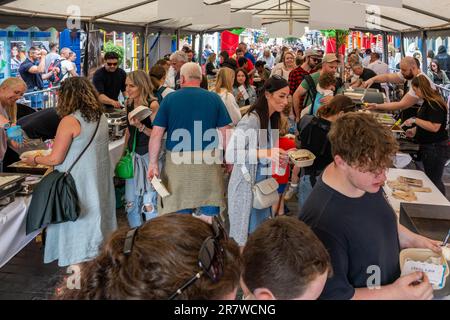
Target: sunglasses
column 112, row 64
column 210, row 258
column 316, row 60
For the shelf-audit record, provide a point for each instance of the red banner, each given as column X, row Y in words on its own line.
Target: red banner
column 229, row 42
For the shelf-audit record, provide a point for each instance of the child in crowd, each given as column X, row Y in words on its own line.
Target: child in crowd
column 325, row 88
column 285, row 143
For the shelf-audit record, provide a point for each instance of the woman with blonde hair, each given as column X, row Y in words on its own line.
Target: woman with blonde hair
column 11, row 90
column 82, row 120
column 140, row 196
column 430, row 130
column 284, row 68
column 224, row 88
column 211, row 68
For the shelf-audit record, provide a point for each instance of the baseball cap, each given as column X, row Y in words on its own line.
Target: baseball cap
column 311, row 52
column 330, row 57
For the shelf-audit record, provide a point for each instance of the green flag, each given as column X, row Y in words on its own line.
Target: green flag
column 237, row 31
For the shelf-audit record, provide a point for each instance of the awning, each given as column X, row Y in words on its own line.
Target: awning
column 415, row 15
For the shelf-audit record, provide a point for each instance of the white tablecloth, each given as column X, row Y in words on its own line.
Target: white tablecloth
column 115, row 151
column 12, row 229
column 434, row 198
column 13, row 217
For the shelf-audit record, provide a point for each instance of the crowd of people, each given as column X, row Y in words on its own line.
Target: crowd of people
column 213, row 159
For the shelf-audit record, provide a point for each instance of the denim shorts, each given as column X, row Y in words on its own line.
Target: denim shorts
column 206, row 211
column 282, row 188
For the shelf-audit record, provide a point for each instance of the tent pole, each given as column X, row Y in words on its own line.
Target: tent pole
column 200, row 48
column 194, row 41
column 402, row 44
column 385, row 48
column 424, row 52
column 146, row 50
column 178, row 39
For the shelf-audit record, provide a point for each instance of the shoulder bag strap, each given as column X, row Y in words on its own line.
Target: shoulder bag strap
column 82, row 153
column 134, row 140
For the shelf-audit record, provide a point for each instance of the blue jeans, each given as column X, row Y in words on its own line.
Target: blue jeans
column 304, row 190
column 207, row 211
column 135, row 205
column 37, row 101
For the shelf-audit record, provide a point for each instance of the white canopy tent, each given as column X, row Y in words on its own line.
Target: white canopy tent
column 414, row 15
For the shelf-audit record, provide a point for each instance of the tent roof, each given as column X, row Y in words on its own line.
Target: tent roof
column 415, row 15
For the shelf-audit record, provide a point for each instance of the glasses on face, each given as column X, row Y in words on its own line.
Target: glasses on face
column 210, row 259
column 110, row 64
column 316, row 60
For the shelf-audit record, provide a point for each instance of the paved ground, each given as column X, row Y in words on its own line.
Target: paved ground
column 25, row 277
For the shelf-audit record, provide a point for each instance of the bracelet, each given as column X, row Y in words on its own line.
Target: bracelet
column 34, row 160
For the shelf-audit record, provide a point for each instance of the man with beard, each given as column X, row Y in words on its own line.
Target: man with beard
column 409, row 69
column 308, row 88
column 312, row 59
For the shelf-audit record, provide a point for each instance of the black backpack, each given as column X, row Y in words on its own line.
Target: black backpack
column 305, row 141
column 312, row 92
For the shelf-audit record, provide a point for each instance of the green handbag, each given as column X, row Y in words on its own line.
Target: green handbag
column 124, row 169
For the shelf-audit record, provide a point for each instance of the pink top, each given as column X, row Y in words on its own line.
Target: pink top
column 3, row 137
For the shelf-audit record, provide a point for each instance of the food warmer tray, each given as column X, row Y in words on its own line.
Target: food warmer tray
column 12, row 187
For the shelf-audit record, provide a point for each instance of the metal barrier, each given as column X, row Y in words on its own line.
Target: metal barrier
column 42, row 99
column 443, row 90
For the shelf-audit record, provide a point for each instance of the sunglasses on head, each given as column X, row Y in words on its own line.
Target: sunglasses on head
column 210, row 258
column 112, row 64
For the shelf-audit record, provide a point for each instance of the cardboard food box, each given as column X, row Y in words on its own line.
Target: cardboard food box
column 415, row 260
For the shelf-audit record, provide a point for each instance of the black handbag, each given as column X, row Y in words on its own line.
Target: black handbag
column 55, row 198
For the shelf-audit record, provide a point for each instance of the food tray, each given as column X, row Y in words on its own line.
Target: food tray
column 423, row 255
column 10, row 188
column 304, row 163
column 21, row 167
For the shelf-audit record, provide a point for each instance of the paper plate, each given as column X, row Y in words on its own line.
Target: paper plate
column 34, row 153
column 140, row 113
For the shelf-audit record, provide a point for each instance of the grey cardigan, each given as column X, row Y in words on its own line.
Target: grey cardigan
column 240, row 194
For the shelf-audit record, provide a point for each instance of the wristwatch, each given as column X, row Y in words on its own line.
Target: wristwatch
column 7, row 125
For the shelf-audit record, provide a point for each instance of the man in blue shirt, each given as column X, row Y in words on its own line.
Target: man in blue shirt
column 194, row 120
column 247, row 54
column 32, row 71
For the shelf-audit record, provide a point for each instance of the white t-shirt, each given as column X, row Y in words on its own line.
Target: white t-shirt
column 379, row 67
column 66, row 68
column 170, row 79
column 411, row 90
column 232, row 107
column 50, row 58
column 166, row 92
